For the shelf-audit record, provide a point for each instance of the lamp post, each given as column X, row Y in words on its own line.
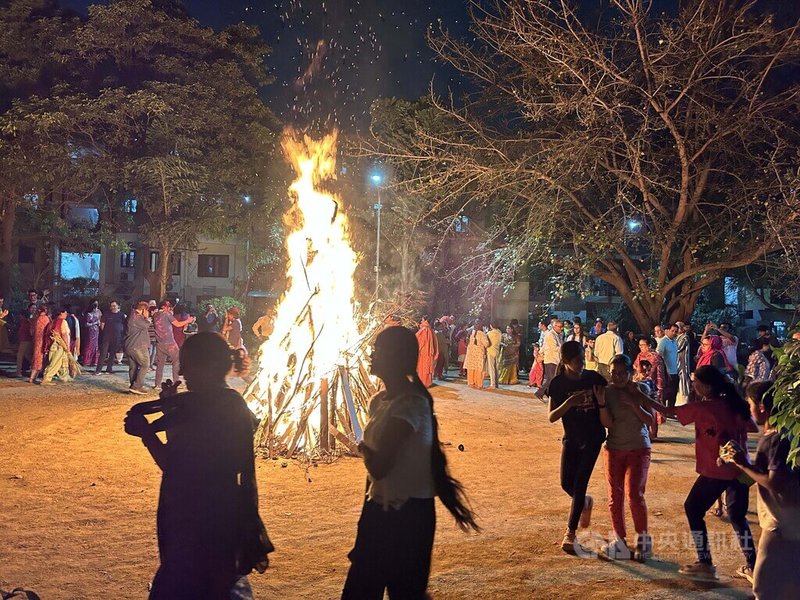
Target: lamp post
column 377, row 179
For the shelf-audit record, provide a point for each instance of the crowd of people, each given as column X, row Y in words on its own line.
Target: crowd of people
column 612, row 391
column 209, row 446
column 59, row 343
column 662, row 360
column 609, row 391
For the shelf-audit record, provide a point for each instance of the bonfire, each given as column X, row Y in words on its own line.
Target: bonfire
column 312, row 384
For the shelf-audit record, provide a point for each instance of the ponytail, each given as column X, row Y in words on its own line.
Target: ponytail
column 734, row 401
column 723, row 388
column 449, row 489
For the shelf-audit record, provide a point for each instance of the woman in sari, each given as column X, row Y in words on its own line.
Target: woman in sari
column 509, row 357
column 90, row 345
column 657, row 376
column 40, row 325
column 59, row 355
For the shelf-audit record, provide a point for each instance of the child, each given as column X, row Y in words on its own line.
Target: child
column 645, row 377
column 776, row 573
column 627, row 458
column 536, row 375
column 591, row 360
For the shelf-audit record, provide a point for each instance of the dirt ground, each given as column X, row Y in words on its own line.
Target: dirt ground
column 78, row 505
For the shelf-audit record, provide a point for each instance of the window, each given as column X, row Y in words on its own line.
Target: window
column 461, row 224
column 127, row 260
column 83, row 216
column 131, row 205
column 25, row 255
column 75, row 264
column 175, row 259
column 212, row 265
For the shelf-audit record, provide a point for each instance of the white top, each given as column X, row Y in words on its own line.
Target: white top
column 551, row 347
column 607, row 346
column 412, row 475
column 729, row 348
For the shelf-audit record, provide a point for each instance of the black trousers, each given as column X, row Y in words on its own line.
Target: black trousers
column 392, row 552
column 671, row 391
column 703, row 495
column 108, row 349
column 577, row 463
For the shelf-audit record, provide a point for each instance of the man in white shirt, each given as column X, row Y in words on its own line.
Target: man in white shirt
column 551, row 354
column 668, row 349
column 658, row 333
column 606, row 347
column 543, row 329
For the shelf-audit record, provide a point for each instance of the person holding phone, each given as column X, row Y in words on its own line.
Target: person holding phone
column 574, row 401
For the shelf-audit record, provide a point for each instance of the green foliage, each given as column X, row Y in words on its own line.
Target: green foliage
column 222, row 304
column 135, row 101
column 786, row 408
column 707, row 311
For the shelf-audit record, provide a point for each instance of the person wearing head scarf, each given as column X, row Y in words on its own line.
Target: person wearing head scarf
column 711, row 354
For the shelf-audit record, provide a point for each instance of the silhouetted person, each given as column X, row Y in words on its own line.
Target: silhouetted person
column 112, row 332
column 406, row 470
column 209, row 532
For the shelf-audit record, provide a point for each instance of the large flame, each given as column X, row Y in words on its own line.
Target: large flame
column 315, row 325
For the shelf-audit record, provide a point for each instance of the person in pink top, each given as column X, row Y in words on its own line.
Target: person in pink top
column 719, row 415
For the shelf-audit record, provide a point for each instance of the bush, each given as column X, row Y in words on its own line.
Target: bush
column 222, row 304
column 786, row 409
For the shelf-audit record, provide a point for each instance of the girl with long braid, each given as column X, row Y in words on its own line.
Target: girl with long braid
column 719, row 415
column 406, row 470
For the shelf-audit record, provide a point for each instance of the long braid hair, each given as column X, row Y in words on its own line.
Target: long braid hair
column 402, row 345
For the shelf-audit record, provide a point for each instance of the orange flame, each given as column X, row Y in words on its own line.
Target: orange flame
column 315, row 326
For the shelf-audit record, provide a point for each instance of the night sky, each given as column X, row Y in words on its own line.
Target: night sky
column 332, row 58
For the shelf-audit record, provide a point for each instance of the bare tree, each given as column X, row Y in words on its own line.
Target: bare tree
column 655, row 152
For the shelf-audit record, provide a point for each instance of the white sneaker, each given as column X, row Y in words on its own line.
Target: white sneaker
column 616, row 550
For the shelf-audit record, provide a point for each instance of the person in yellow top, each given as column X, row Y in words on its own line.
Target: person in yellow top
column 264, row 325
column 493, row 352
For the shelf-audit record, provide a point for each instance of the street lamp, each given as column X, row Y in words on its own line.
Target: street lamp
column 377, row 179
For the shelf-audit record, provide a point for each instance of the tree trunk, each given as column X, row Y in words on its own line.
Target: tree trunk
column 158, row 279
column 682, row 310
column 164, row 267
column 7, row 219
